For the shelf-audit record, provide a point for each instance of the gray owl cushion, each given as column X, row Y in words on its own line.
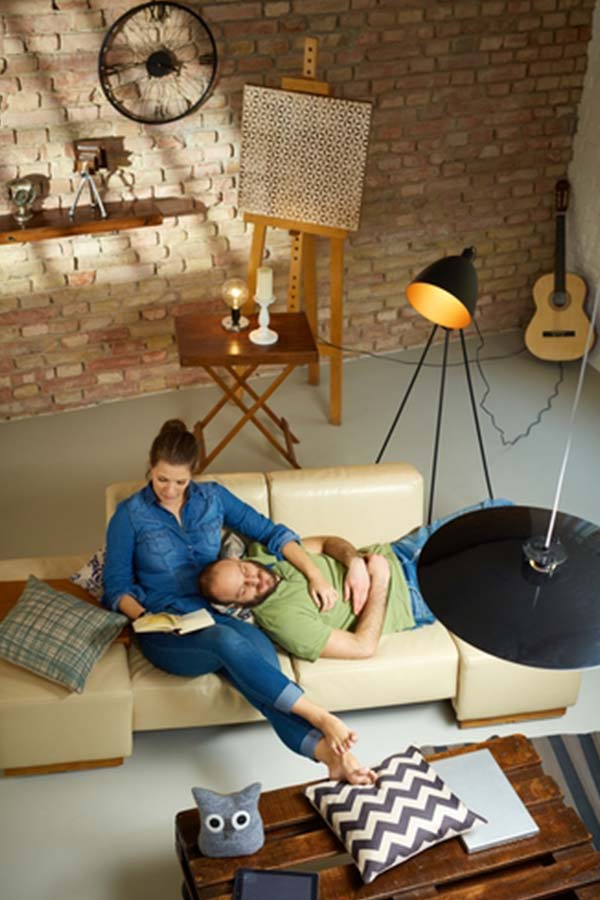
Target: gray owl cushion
column 230, row 824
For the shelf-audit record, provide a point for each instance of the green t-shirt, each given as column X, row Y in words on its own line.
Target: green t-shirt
column 291, row 618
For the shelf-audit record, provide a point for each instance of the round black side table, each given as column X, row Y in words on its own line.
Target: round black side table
column 474, row 575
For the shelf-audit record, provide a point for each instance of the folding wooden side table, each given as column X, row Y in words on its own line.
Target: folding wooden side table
column 202, row 341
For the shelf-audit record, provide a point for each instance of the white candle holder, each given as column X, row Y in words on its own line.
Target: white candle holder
column 263, row 335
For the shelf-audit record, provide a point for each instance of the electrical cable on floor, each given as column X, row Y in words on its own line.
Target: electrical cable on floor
column 548, row 406
column 503, row 439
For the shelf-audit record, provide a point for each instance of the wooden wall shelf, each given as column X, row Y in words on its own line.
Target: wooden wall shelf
column 53, row 223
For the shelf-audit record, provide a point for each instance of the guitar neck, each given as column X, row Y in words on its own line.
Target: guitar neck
column 559, row 254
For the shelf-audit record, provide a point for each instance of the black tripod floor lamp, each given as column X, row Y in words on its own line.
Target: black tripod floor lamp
column 518, row 582
column 445, row 293
column 521, row 582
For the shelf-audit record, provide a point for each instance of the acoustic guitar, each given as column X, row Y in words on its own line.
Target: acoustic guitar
column 559, row 328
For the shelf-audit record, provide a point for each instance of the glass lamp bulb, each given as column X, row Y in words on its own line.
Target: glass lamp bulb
column 235, row 293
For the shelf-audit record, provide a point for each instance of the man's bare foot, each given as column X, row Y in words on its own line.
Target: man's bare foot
column 338, row 736
column 347, row 768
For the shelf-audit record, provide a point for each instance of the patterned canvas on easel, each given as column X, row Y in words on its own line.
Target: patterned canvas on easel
column 303, row 156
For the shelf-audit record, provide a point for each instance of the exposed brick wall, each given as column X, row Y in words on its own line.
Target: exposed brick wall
column 474, row 112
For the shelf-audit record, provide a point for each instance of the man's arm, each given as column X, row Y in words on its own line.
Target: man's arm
column 356, row 582
column 362, row 643
column 322, row 593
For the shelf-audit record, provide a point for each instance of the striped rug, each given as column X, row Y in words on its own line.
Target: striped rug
column 573, row 760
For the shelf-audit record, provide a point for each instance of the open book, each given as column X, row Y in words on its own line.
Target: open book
column 164, row 621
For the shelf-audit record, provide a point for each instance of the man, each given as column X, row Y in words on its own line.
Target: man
column 281, row 603
column 380, row 581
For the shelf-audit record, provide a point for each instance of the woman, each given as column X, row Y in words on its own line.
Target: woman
column 159, row 540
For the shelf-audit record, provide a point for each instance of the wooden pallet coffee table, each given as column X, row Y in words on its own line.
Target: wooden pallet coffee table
column 558, row 862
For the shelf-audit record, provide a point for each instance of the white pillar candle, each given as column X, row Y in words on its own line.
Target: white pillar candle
column 264, row 283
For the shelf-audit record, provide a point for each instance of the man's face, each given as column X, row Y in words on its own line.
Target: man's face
column 242, row 582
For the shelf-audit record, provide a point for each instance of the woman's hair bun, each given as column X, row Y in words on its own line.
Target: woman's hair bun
column 173, row 425
column 175, row 445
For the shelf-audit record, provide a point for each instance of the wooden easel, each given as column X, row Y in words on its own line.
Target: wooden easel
column 302, row 257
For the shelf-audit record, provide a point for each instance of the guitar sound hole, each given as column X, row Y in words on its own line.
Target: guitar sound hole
column 560, row 300
column 558, row 334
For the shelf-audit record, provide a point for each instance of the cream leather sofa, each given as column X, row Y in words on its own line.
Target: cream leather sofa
column 42, row 725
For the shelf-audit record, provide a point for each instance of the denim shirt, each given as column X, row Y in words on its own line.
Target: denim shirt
column 150, row 556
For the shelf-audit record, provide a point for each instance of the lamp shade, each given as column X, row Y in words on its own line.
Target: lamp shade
column 446, row 291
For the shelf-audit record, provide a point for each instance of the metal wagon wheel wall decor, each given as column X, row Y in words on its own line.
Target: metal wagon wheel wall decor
column 158, row 63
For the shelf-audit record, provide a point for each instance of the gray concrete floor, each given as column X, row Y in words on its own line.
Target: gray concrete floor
column 54, row 469
column 108, row 835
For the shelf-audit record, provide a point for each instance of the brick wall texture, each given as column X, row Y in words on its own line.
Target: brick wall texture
column 475, row 106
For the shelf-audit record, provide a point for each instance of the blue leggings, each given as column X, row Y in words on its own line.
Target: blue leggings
column 247, row 658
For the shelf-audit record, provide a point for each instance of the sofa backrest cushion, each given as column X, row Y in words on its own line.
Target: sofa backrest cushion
column 41, row 566
column 251, row 487
column 365, row 504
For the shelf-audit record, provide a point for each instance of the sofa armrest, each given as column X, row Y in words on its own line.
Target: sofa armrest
column 493, row 688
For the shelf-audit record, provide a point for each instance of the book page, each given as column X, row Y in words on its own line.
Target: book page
column 194, row 621
column 164, row 621
column 155, row 622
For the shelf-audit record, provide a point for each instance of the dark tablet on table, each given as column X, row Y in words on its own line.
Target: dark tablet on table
column 268, row 884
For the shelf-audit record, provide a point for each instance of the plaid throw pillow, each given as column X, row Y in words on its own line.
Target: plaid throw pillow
column 57, row 636
column 407, row 810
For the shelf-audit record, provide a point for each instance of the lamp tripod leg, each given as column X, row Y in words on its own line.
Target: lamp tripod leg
column 438, row 426
column 475, row 416
column 407, row 393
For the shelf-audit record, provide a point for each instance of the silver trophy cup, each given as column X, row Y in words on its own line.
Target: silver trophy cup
column 23, row 192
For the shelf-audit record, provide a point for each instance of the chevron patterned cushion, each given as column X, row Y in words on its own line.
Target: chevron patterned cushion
column 407, row 810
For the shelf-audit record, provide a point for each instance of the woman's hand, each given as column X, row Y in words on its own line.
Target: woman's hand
column 323, row 594
column 130, row 607
column 357, row 583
